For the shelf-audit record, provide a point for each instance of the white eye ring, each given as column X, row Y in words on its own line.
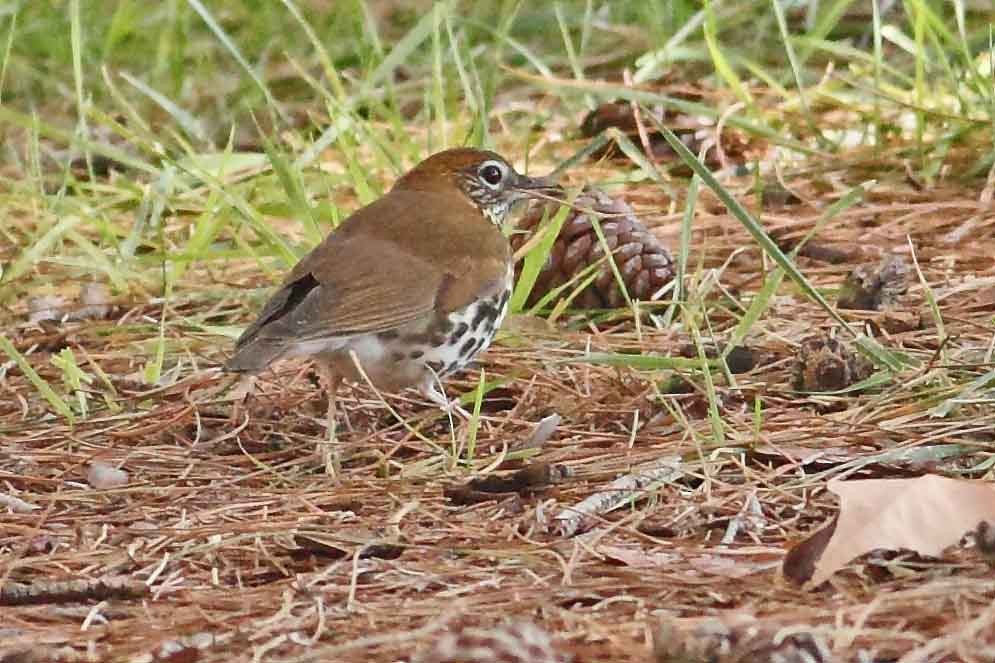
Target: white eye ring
column 492, row 173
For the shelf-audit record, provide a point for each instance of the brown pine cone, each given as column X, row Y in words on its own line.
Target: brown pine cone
column 644, row 263
column 825, row 363
column 875, row 287
column 520, row 642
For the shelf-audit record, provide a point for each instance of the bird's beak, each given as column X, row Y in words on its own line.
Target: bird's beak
column 537, row 187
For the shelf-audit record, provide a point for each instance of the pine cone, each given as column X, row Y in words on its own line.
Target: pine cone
column 521, row 642
column 644, row 263
column 875, row 287
column 825, row 363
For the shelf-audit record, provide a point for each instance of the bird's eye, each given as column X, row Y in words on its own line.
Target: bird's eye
column 492, row 174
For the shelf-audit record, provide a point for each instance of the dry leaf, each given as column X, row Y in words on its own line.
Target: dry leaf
column 16, row 504
column 542, row 432
column 102, row 476
column 46, row 307
column 636, row 557
column 925, row 515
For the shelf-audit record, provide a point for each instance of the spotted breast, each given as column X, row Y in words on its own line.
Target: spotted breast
column 422, row 352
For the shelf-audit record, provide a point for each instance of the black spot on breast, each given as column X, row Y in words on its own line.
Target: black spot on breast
column 416, row 354
column 485, row 311
column 435, row 366
column 467, row 346
column 458, row 333
column 397, row 356
column 480, row 343
column 505, row 296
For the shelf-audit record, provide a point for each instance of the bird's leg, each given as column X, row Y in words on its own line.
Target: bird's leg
column 328, row 450
column 430, row 390
column 242, row 395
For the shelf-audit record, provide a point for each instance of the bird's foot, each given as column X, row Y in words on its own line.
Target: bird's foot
column 330, row 450
column 450, row 407
column 330, row 453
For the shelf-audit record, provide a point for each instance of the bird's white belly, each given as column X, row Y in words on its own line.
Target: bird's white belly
column 419, row 351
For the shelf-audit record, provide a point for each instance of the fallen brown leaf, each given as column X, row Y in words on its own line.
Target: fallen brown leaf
column 637, row 557
column 925, row 515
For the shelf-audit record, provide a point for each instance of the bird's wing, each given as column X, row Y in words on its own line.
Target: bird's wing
column 358, row 281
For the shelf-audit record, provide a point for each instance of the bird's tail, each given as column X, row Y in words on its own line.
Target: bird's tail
column 254, row 356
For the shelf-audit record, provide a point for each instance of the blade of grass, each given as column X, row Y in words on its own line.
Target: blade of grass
column 649, row 63
column 39, row 247
column 331, row 73
column 714, row 417
column 638, row 157
column 874, row 349
column 762, row 299
column 150, row 212
column 437, row 91
column 581, row 155
column 227, row 42
column 474, row 424
column 641, row 361
column 568, row 45
column 829, row 20
column 719, row 61
column 76, row 43
column 684, row 250
column 57, row 402
column 75, row 378
column 402, row 51
column 612, row 264
column 611, row 92
column 191, row 125
column 536, row 258
column 6, row 51
column 782, row 26
column 99, row 260
column 293, row 187
column 8, row 115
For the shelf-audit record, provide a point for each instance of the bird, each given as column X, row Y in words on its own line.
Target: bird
column 405, row 291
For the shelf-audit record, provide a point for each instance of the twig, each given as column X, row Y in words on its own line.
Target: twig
column 569, row 521
column 71, row 591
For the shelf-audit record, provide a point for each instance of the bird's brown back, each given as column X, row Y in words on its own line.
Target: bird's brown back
column 406, row 255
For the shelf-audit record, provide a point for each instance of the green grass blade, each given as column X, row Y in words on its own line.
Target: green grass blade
column 76, row 42
column 719, row 61
column 536, row 258
column 868, row 345
column 223, row 37
column 473, row 426
column 641, row 362
column 191, row 125
column 39, row 248
column 6, row 51
column 57, row 402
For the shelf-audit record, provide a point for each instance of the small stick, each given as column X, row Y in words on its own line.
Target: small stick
column 571, row 519
column 71, row 591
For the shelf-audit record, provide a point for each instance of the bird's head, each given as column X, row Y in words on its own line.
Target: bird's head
column 482, row 176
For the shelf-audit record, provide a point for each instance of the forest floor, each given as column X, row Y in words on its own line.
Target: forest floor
column 150, row 513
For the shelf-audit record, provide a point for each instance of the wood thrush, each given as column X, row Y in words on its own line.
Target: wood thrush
column 411, row 287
